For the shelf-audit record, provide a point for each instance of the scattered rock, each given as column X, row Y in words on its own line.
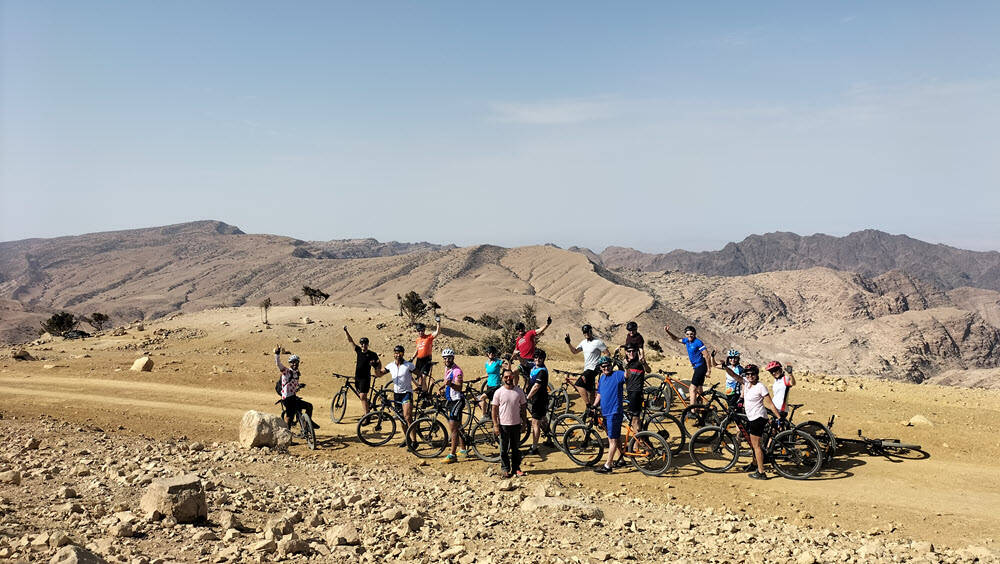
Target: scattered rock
column 21, row 354
column 72, row 554
column 919, row 421
column 32, row 444
column 345, row 534
column 181, row 498
column 264, row 429
column 142, row 364
column 10, row 477
column 291, row 545
column 121, row 530
column 264, row 546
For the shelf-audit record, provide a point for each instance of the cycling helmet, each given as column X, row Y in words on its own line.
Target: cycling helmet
column 398, row 349
column 587, row 328
column 293, row 358
column 447, row 352
column 604, row 360
column 750, row 369
column 420, row 327
column 631, row 347
column 631, row 326
column 539, row 353
column 732, row 353
column 772, row 366
column 519, row 326
column 363, row 340
column 691, row 329
column 491, row 350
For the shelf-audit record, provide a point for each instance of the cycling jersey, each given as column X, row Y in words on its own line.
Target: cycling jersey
column 610, row 390
column 453, row 376
column 289, row 379
column 494, row 369
column 733, row 385
column 753, row 401
column 592, row 350
column 635, row 340
column 780, row 390
column 694, row 349
column 539, row 375
column 525, row 344
column 425, row 346
column 365, row 360
column 402, row 376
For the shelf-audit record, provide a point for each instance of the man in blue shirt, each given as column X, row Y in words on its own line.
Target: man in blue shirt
column 698, row 355
column 609, row 398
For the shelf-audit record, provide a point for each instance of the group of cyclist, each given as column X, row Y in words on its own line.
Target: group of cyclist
column 511, row 405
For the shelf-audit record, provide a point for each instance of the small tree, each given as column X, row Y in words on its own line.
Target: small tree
column 489, row 321
column 528, row 316
column 264, row 306
column 315, row 296
column 503, row 339
column 59, row 323
column 296, row 300
column 412, row 306
column 434, row 307
column 98, row 320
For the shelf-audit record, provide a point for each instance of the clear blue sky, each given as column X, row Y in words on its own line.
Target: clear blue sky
column 652, row 125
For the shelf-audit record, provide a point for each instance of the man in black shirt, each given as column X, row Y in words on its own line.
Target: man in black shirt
column 363, row 369
column 636, row 369
column 633, row 337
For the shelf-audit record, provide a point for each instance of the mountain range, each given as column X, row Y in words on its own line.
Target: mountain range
column 868, row 303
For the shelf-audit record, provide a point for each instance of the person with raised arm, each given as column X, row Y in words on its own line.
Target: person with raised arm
column 366, row 361
column 524, row 347
column 425, row 352
column 701, row 364
column 592, row 349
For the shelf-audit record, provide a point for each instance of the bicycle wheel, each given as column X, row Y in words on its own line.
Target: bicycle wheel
column 795, row 454
column 559, row 402
column 485, row 444
column 338, row 406
column 583, row 445
column 525, row 432
column 306, row 426
column 376, row 428
column 893, row 446
column 657, row 398
column 649, row 453
column 699, row 415
column 823, row 435
column 561, row 422
column 670, row 428
column 427, row 437
column 713, row 449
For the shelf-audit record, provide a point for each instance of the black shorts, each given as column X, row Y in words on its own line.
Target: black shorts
column 634, row 402
column 698, row 378
column 539, row 407
column 363, row 383
column 423, row 365
column 587, row 380
column 526, row 365
column 455, row 408
column 490, row 390
column 756, row 427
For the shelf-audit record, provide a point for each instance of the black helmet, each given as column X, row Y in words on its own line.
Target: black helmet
column 691, row 329
column 631, row 348
column 420, row 327
column 631, row 326
column 398, row 349
column 363, row 340
column 491, row 350
column 519, row 326
column 587, row 328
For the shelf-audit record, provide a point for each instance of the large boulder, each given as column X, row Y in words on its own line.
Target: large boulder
column 143, row 364
column 181, row 497
column 258, row 429
column 72, row 554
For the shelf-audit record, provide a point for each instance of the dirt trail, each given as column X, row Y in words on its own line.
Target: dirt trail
column 951, row 497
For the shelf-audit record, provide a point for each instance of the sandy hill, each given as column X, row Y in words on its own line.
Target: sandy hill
column 894, row 324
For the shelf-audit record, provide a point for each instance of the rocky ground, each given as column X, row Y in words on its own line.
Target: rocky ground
column 65, row 485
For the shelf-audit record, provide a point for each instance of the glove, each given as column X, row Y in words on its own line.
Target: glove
column 548, row 320
column 437, row 318
column 567, row 339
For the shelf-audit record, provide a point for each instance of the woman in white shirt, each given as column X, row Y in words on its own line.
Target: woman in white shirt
column 783, row 380
column 757, row 403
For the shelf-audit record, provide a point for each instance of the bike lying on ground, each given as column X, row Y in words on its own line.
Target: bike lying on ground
column 301, row 419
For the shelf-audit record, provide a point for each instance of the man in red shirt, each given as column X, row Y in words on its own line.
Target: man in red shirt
column 524, row 347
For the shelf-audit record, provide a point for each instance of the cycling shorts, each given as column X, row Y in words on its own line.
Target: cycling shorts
column 635, row 403
column 587, row 380
column 403, row 398
column 756, row 427
column 455, row 408
column 363, row 383
column 423, row 365
column 539, row 407
column 526, row 365
column 490, row 390
column 698, row 378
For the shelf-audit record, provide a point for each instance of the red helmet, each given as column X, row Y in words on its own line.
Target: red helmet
column 773, row 365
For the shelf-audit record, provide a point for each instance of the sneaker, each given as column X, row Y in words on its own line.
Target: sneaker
column 533, row 451
column 505, row 474
column 602, row 470
column 758, row 476
column 450, row 459
column 750, row 467
column 464, row 452
column 521, row 474
column 620, row 463
column 548, row 442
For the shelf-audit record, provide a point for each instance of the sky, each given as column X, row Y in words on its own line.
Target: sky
column 654, row 125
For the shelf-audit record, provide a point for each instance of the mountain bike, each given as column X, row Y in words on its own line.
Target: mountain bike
column 793, row 454
column 664, row 393
column 378, row 426
column 300, row 418
column 648, row 452
column 338, row 405
column 428, row 437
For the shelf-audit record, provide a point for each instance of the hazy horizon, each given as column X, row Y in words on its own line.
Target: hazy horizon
column 659, row 127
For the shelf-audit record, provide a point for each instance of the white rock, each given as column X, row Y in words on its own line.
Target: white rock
column 142, row 364
column 259, row 429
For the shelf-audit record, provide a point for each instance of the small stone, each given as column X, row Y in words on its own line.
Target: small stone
column 413, row 523
column 142, row 364
column 121, row 530
column 290, row 545
column 72, row 554
column 264, row 546
column 67, row 492
column 343, row 535
column 10, row 477
column 204, row 535
column 919, row 421
column 391, row 514
column 58, row 539
column 32, row 444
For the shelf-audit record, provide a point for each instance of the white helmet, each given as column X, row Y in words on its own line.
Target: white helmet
column 293, row 358
column 447, row 352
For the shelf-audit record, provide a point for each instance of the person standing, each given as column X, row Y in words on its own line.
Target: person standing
column 734, row 378
column 425, row 352
column 609, row 399
column 757, row 403
column 592, row 350
column 538, row 398
column 636, row 369
column 402, row 384
column 455, row 403
column 366, row 361
column 783, row 380
column 524, row 346
column 632, row 337
column 494, row 369
column 698, row 355
column 509, row 414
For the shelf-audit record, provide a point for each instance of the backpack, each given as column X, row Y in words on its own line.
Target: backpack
column 277, row 386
